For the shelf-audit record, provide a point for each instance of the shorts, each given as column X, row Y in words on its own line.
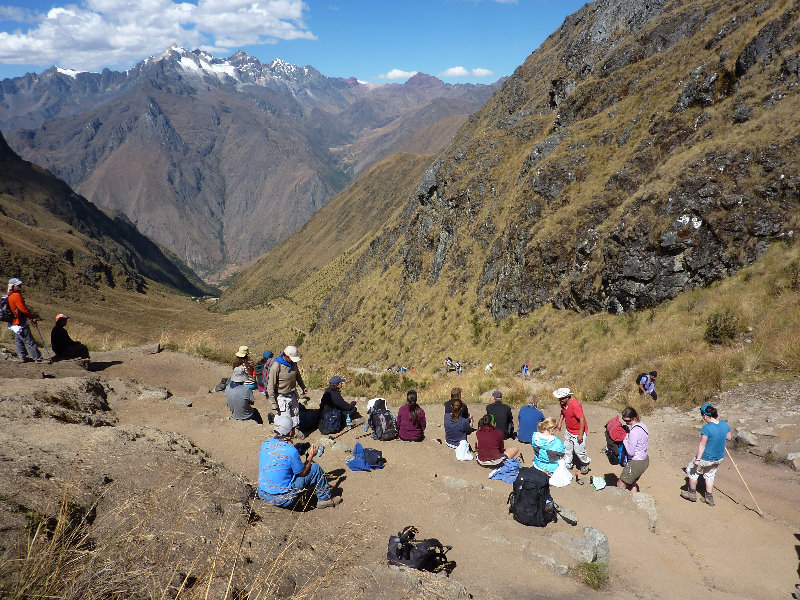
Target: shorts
column 493, row 463
column 634, row 470
column 706, row 468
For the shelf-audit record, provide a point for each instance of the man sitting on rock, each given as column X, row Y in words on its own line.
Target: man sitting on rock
column 240, row 398
column 282, row 475
column 63, row 345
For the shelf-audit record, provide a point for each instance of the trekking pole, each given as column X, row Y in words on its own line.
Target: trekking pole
column 760, row 513
column 42, row 338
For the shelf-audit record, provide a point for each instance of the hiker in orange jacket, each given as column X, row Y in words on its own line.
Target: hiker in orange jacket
column 19, row 325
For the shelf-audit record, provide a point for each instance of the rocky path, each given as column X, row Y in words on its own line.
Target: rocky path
column 660, row 545
column 676, row 550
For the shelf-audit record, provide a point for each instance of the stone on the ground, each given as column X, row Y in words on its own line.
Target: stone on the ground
column 567, row 514
column 746, row 437
column 181, row 401
column 455, row 482
column 579, row 549
column 647, row 503
column 340, row 447
column 551, row 563
column 325, row 441
column 155, row 394
column 792, row 455
column 152, row 349
column 795, row 464
column 600, row 542
column 765, row 431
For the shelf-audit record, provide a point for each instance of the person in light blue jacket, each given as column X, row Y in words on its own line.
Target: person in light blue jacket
column 546, row 446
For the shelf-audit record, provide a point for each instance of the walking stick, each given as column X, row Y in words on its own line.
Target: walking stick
column 760, row 514
column 42, row 338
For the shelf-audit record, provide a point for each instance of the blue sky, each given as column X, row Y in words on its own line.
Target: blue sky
column 459, row 41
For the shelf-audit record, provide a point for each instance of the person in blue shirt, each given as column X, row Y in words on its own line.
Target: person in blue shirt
column 710, row 452
column 282, row 475
column 647, row 384
column 529, row 418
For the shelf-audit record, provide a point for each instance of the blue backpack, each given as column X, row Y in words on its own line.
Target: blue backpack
column 331, row 421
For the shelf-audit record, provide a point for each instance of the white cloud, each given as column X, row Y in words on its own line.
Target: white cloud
column 454, row 72
column 479, row 72
column 100, row 33
column 16, row 14
column 397, row 74
column 462, row 72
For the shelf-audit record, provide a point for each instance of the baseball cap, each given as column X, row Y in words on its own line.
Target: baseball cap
column 283, row 425
column 60, row 316
column 336, row 380
column 291, row 352
column 497, row 394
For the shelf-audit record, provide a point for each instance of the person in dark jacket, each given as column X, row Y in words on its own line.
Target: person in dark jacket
column 19, row 325
column 332, row 398
column 455, row 394
column 63, row 345
column 503, row 419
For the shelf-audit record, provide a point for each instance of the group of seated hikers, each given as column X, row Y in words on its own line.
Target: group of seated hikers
column 285, row 476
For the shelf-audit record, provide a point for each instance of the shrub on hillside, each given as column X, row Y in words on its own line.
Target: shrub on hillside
column 389, row 382
column 722, row 326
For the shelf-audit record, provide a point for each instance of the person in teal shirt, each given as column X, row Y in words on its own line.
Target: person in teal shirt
column 710, row 452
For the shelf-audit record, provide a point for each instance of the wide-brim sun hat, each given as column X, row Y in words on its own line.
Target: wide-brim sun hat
column 563, row 392
column 14, row 281
column 292, row 353
column 243, row 351
column 239, row 375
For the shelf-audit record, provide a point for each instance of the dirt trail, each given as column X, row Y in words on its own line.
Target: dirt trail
column 725, row 552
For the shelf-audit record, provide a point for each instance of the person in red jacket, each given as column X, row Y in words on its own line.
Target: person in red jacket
column 22, row 332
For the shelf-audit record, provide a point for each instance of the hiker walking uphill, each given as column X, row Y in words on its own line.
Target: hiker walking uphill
column 62, row 344
column 282, row 475
column 576, row 429
column 284, row 378
column 710, row 452
column 503, row 418
column 637, row 444
column 23, row 339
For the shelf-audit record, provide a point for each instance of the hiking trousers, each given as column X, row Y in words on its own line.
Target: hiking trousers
column 571, row 446
column 25, row 339
column 289, row 404
column 315, row 480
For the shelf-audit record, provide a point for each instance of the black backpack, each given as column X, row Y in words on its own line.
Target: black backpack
column 382, row 421
column 332, row 421
column 530, row 501
column 425, row 555
column 6, row 316
column 639, row 378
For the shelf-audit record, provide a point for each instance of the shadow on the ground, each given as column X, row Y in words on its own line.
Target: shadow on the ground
column 94, row 367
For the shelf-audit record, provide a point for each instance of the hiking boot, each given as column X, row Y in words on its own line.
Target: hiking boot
column 26, row 359
column 585, row 470
column 709, row 499
column 335, row 501
column 690, row 495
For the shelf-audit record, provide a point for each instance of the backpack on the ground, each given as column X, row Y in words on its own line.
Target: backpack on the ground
column 382, row 421
column 530, row 501
column 425, row 555
column 6, row 315
column 332, row 421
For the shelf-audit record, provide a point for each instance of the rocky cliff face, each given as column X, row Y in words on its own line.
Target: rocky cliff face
column 644, row 149
column 217, row 159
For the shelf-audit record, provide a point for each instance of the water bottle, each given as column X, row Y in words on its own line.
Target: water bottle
column 320, row 450
column 347, row 420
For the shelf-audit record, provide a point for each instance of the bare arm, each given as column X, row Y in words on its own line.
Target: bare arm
column 701, row 447
column 312, row 452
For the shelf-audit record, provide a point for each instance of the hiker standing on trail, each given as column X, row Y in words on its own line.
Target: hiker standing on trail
column 503, row 418
column 710, row 452
column 576, row 428
column 647, row 384
column 637, row 443
column 239, row 398
column 62, row 344
column 26, row 346
column 282, row 475
column 455, row 394
column 411, row 419
column 529, row 418
column 284, row 377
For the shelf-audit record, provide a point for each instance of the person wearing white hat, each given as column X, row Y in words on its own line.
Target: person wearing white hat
column 576, row 428
column 282, row 475
column 23, row 339
column 282, row 383
column 62, row 344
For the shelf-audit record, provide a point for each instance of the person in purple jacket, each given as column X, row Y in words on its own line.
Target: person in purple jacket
column 411, row 419
column 636, row 442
